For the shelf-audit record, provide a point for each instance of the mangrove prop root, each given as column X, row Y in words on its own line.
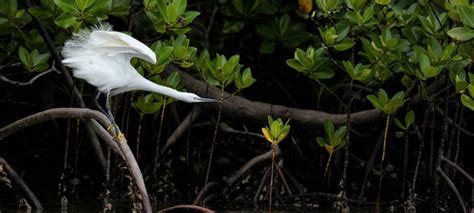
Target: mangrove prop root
column 85, row 115
column 12, row 175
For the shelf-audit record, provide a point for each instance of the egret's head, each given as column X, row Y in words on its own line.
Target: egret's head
column 193, row 98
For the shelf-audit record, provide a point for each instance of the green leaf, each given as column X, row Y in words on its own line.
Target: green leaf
column 247, row 77
column 340, row 134
column 407, row 81
column 409, row 118
column 66, row 20
column 232, row 26
column 9, row 8
column 100, row 7
column 467, row 102
column 461, row 33
column 399, row 124
column 321, row 141
column 180, row 6
column 353, row 17
column 383, row 2
column 164, row 53
column 173, row 79
column 356, row 4
column 40, row 59
column 189, row 16
column 448, row 51
column 300, row 55
column 344, row 45
column 25, row 57
column 269, row 119
column 368, row 14
column 467, row 15
column 424, row 62
column 171, row 13
column 149, row 4
column 67, row 6
column 295, row 64
column 84, row 4
column 238, row 6
column 470, row 89
column 162, row 8
column 324, row 74
column 375, row 102
column 267, row 47
column 254, row 6
column 329, row 127
column 382, row 97
column 266, row 32
column 283, row 24
column 398, row 97
column 460, row 84
column 119, row 8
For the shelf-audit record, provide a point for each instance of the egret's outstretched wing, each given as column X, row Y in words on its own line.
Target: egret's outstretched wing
column 101, row 40
column 114, row 43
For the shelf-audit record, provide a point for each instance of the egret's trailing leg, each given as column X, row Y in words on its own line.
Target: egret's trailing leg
column 109, row 113
column 97, row 103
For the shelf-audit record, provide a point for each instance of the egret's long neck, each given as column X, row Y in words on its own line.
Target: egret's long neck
column 142, row 83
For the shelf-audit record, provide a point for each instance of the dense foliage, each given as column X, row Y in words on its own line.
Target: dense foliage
column 384, row 88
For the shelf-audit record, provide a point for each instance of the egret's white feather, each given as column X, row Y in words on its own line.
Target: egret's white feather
column 102, row 58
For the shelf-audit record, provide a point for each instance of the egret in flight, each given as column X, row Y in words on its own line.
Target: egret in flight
column 101, row 57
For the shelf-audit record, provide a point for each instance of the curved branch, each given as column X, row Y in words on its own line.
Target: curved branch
column 19, row 181
column 453, row 188
column 186, row 206
column 51, row 114
column 248, row 165
column 459, row 169
column 240, row 108
column 86, row 114
column 102, row 133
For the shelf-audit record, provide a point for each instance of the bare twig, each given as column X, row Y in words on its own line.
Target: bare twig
column 181, row 129
column 249, row 165
column 31, row 81
column 203, row 192
column 214, row 137
column 283, row 179
column 453, row 188
column 19, row 181
column 261, row 185
column 459, row 169
column 9, row 65
column 450, row 121
column 226, row 128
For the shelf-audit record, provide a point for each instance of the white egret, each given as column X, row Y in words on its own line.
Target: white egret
column 102, row 58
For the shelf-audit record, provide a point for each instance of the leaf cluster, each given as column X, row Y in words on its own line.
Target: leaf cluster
column 334, row 139
column 169, row 15
column 222, row 72
column 385, row 104
column 276, row 130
